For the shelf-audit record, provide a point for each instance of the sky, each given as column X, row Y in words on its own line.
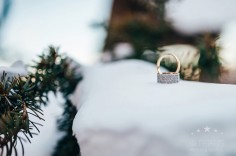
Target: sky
column 33, row 25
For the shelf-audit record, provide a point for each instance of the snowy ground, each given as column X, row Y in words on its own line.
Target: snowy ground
column 123, row 111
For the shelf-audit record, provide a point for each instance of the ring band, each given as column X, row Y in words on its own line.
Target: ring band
column 168, row 77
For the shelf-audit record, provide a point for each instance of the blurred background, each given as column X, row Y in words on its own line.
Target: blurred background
column 201, row 32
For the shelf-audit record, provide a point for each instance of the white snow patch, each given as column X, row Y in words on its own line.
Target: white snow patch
column 194, row 16
column 123, row 111
column 228, row 47
column 123, row 50
column 17, row 68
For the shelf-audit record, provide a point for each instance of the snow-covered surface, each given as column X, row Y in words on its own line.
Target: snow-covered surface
column 17, row 68
column 124, row 112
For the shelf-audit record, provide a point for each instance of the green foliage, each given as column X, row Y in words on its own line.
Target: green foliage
column 54, row 72
column 18, row 102
column 143, row 36
column 67, row 145
column 60, row 74
column 209, row 62
column 22, row 97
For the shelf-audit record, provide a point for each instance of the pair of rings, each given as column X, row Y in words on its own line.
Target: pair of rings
column 168, row 77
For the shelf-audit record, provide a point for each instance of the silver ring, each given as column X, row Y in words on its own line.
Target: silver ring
column 168, row 77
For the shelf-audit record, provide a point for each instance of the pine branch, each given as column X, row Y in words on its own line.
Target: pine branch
column 210, row 61
column 21, row 97
column 16, row 100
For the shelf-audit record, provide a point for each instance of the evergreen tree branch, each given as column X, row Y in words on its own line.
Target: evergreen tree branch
column 21, row 98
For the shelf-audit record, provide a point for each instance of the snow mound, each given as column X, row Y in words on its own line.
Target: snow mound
column 124, row 112
column 17, row 68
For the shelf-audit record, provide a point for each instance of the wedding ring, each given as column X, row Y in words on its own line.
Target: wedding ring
column 168, row 77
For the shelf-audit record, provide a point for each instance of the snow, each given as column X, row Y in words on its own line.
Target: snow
column 123, row 111
column 194, row 16
column 228, row 46
column 123, row 50
column 17, row 68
